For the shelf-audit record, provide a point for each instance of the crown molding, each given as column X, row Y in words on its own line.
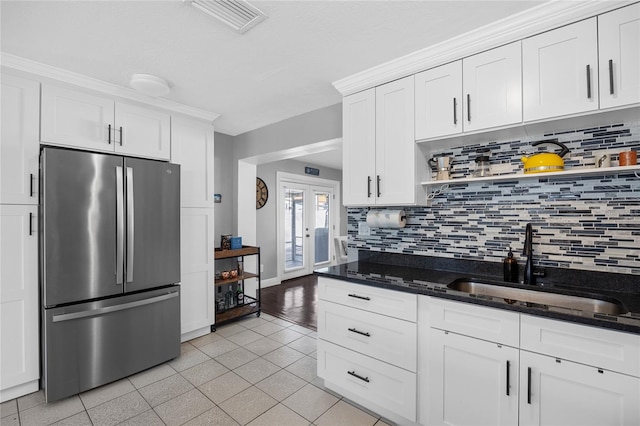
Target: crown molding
column 513, row 28
column 68, row 77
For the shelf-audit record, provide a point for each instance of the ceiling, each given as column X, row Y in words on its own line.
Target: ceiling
column 281, row 68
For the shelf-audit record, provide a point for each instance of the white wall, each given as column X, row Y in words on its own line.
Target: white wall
column 223, row 184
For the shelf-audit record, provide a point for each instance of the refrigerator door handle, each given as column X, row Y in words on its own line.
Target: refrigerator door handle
column 119, row 227
column 115, row 308
column 130, row 230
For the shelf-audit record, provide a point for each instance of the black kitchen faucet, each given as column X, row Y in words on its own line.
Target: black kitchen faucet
column 529, row 276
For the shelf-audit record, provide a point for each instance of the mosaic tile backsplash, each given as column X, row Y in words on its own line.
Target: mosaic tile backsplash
column 589, row 222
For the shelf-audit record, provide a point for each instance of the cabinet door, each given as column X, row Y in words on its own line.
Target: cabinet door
column 197, row 271
column 492, row 84
column 19, row 368
column 470, row 381
column 559, row 70
column 142, row 132
column 619, row 48
column 559, row 392
column 76, row 119
column 20, row 140
column 358, row 148
column 439, row 101
column 395, row 180
column 192, row 148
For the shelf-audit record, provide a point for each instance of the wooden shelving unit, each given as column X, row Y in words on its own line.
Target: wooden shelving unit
column 250, row 305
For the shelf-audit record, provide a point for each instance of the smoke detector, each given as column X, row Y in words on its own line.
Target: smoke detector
column 238, row 14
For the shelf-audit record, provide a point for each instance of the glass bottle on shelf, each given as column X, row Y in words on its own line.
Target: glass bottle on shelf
column 220, row 300
column 240, row 294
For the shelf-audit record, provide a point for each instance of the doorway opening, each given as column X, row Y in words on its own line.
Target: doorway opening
column 308, row 217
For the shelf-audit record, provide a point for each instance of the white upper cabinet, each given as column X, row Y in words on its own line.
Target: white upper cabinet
column 492, row 84
column 142, row 132
column 560, row 71
column 20, row 140
column 192, row 148
column 359, row 147
column 439, row 101
column 87, row 121
column 478, row 92
column 619, row 53
column 395, row 143
column 380, row 157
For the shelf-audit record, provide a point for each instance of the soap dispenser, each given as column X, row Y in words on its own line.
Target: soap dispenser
column 510, row 268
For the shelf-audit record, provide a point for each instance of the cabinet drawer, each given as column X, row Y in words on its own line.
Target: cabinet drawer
column 607, row 349
column 490, row 324
column 386, row 302
column 367, row 380
column 378, row 336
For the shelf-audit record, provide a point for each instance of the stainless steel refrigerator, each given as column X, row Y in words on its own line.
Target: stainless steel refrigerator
column 109, row 267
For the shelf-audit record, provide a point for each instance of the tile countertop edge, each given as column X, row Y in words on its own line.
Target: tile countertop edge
column 439, row 289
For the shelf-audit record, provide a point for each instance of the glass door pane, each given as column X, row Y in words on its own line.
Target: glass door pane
column 322, row 219
column 294, row 228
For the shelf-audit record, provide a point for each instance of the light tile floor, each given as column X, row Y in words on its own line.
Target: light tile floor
column 259, row 371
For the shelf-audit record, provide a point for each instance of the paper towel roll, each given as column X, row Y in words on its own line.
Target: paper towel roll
column 386, row 218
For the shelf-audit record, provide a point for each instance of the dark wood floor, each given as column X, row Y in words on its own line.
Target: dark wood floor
column 294, row 300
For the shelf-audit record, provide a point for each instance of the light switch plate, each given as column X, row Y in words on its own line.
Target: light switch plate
column 363, row 229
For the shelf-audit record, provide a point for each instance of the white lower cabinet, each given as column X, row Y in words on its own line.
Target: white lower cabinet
column 471, row 381
column 559, row 374
column 558, row 392
column 382, row 387
column 367, row 347
column 197, row 272
column 19, row 356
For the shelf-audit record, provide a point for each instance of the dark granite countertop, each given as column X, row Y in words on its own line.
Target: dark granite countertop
column 430, row 276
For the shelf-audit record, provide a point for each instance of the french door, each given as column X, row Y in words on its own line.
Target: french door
column 306, row 227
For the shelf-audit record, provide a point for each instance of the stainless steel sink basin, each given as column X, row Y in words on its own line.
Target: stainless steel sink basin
column 580, row 302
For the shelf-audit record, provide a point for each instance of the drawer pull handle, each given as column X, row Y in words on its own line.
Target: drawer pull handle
column 368, row 186
column 30, row 184
column 610, row 76
column 529, row 385
column 363, row 333
column 588, row 81
column 455, row 112
column 508, row 365
column 359, row 297
column 357, row 376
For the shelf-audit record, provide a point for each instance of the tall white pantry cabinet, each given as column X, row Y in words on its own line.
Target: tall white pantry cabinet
column 19, row 367
column 35, row 112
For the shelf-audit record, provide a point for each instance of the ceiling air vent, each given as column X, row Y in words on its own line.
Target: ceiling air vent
column 238, row 14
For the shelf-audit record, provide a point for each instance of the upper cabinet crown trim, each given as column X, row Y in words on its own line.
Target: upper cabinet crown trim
column 61, row 75
column 530, row 22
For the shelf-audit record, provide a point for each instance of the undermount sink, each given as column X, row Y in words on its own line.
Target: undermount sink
column 538, row 296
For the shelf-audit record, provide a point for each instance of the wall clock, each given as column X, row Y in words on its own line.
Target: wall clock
column 262, row 193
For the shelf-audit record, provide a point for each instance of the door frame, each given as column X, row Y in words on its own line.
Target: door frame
column 282, row 177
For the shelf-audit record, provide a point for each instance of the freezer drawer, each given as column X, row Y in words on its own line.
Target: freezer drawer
column 90, row 344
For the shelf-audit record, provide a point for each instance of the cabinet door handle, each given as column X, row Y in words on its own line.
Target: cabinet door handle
column 30, row 223
column 455, row 112
column 109, row 134
column 357, row 376
column 362, row 333
column 120, row 135
column 611, row 76
column 508, row 368
column 368, row 186
column 359, row 297
column 30, row 184
column 588, row 81
column 468, row 107
column 529, row 385
column 378, row 185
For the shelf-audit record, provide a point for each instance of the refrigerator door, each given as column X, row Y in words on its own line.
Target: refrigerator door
column 80, row 237
column 90, row 344
column 152, row 224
